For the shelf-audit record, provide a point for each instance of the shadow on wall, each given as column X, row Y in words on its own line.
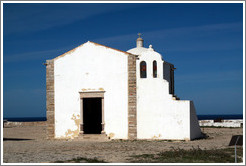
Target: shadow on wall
column 195, row 130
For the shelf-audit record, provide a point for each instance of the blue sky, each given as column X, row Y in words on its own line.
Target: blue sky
column 203, row 41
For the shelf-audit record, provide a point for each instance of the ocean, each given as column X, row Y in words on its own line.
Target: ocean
column 213, row 117
column 25, row 119
column 200, row 117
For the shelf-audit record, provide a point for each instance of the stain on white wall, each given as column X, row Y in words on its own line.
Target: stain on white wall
column 91, row 67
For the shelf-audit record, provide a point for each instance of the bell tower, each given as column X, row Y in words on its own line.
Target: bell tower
column 139, row 40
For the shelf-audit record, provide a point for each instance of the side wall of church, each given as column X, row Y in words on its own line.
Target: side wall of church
column 91, row 68
column 195, row 131
column 159, row 115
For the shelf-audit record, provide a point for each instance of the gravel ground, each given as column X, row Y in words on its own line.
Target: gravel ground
column 27, row 144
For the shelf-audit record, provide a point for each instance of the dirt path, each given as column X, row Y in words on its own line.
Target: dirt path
column 25, row 144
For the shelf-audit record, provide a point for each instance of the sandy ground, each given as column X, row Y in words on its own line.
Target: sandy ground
column 27, row 144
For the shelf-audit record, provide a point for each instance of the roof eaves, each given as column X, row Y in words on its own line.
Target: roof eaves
column 60, row 56
column 70, row 51
column 169, row 63
column 115, row 49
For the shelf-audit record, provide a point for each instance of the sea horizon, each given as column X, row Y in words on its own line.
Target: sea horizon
column 200, row 117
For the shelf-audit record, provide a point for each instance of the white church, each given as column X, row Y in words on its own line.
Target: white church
column 97, row 90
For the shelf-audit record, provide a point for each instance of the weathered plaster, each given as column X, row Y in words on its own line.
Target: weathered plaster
column 135, row 108
column 92, row 67
column 111, row 135
column 73, row 133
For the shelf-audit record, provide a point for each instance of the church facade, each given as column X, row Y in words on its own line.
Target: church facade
column 95, row 89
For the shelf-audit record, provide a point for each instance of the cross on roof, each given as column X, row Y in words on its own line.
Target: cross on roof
column 139, row 35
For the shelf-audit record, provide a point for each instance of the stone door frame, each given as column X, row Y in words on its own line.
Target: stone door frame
column 90, row 94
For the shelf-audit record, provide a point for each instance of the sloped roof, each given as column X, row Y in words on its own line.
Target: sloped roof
column 96, row 45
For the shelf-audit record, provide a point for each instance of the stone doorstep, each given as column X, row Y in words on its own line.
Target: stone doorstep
column 93, row 137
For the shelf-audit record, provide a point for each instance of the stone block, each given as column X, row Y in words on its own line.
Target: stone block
column 132, row 98
column 50, row 106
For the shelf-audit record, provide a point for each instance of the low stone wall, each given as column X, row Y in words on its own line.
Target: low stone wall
column 14, row 124
column 222, row 123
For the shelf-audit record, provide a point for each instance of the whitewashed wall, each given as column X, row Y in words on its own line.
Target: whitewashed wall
column 91, row 67
column 159, row 116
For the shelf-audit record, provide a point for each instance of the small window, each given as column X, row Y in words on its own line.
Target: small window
column 154, row 69
column 143, row 70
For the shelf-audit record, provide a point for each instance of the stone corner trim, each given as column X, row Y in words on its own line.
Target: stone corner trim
column 50, row 100
column 132, row 97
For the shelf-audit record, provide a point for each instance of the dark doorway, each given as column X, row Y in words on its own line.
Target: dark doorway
column 92, row 115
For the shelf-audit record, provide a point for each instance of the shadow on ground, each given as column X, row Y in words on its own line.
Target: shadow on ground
column 16, row 139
